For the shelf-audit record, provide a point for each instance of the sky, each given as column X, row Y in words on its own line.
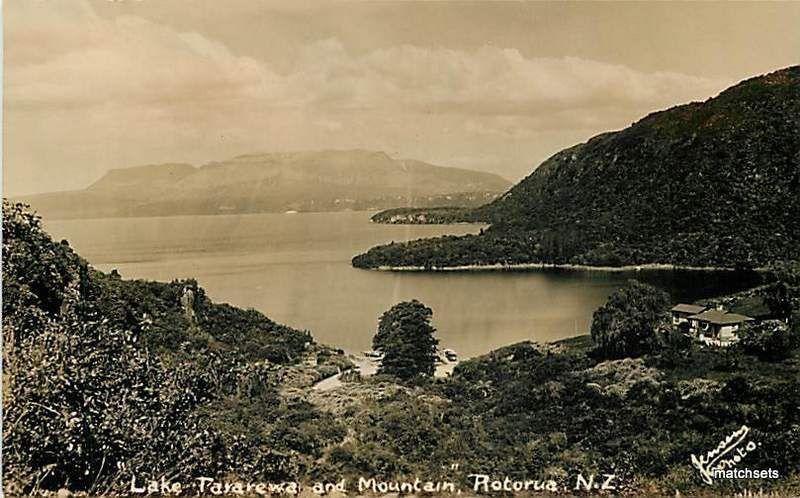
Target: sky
column 494, row 86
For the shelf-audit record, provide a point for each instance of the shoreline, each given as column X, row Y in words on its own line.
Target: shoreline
column 367, row 367
column 547, row 266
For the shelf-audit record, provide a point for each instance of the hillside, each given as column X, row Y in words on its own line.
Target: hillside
column 300, row 181
column 105, row 378
column 714, row 183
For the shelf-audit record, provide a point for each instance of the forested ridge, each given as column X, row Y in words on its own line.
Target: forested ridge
column 714, row 183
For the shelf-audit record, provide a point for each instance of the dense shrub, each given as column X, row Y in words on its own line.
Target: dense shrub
column 626, row 324
column 783, row 294
column 84, row 403
column 770, row 340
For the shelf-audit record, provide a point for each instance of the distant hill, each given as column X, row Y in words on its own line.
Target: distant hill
column 300, row 181
column 712, row 183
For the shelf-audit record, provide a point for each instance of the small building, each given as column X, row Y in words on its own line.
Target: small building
column 681, row 312
column 717, row 327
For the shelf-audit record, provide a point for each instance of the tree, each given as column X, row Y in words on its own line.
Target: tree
column 626, row 324
column 771, row 340
column 405, row 337
column 783, row 295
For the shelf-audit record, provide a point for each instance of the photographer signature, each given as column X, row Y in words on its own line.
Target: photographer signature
column 724, row 456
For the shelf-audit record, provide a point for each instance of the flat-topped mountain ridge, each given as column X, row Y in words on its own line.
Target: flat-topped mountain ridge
column 328, row 180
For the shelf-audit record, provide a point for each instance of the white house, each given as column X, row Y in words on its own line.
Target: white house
column 717, row 327
column 681, row 312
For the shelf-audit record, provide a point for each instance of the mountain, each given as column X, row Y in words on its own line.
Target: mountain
column 711, row 183
column 301, row 181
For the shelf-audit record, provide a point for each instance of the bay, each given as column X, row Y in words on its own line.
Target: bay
column 295, row 268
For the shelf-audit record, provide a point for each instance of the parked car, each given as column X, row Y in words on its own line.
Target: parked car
column 450, row 355
column 373, row 355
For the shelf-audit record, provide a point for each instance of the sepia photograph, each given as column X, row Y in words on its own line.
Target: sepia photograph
column 338, row 248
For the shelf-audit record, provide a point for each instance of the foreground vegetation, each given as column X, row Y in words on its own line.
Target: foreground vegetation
column 106, row 380
column 637, row 410
column 712, row 184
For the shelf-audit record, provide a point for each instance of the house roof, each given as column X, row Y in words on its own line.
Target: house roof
column 719, row 317
column 688, row 308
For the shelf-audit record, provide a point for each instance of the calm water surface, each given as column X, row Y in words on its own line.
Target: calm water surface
column 296, row 269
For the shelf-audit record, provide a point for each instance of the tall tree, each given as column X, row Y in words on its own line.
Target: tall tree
column 405, row 337
column 625, row 325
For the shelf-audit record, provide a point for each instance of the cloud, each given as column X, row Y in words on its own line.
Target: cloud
column 489, row 81
column 82, row 60
column 96, row 93
column 126, row 61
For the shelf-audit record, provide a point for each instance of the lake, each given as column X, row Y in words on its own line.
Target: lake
column 295, row 268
